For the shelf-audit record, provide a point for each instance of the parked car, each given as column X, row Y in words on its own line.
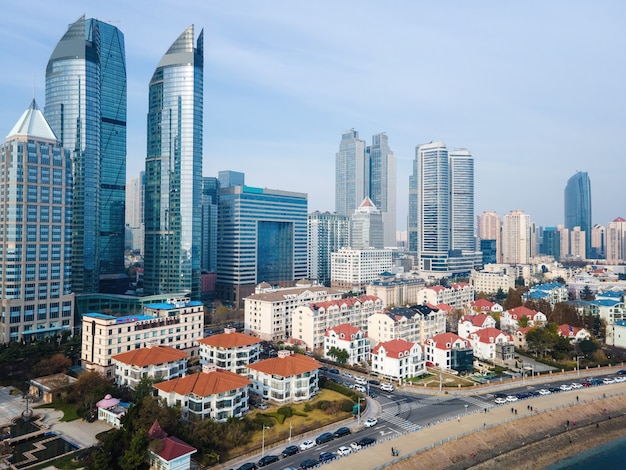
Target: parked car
column 343, row 451
column 360, row 388
column 373, row 394
column 355, row 446
column 554, row 389
column 308, row 444
column 366, row 441
column 268, row 459
column 308, row 463
column 522, row 395
column 576, row 385
column 347, row 374
column 387, row 387
column 290, row 450
column 333, row 371
column 608, row 380
column 511, row 398
column 544, row 391
column 360, row 380
column 500, row 401
column 248, row 466
column 262, row 406
column 370, row 422
column 324, row 438
column 534, row 393
column 344, row 431
column 565, row 387
column 327, row 457
column 374, row 382
column 621, row 372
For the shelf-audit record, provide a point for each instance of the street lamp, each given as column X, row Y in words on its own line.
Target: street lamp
column 263, row 441
column 578, row 365
column 358, row 412
column 289, row 430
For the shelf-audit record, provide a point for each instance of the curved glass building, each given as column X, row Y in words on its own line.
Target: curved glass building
column 174, row 170
column 86, row 108
column 577, row 199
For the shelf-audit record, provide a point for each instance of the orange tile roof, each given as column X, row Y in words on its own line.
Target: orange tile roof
column 151, row 356
column 440, row 341
column 204, row 384
column 294, row 364
column 518, row 312
column 485, row 335
column 346, row 328
column 229, row 340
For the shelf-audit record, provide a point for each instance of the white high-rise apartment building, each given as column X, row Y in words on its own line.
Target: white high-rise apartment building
column 354, row 269
column 616, row 240
column 366, row 227
column 489, row 227
column 327, row 234
column 516, row 239
column 598, row 241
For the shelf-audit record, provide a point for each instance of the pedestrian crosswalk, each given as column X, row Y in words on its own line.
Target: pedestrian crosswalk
column 474, row 401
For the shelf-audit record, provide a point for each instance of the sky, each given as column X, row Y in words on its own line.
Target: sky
column 535, row 90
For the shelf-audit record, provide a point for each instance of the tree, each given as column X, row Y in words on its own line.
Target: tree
column 523, row 322
column 52, row 365
column 500, row 295
column 89, row 388
column 340, row 355
column 513, row 299
column 587, row 346
column 143, row 389
column 586, row 294
column 135, row 455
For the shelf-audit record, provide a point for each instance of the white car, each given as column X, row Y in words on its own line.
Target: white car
column 544, row 391
column 511, row 398
column 308, row 444
column 565, row 387
column 360, row 380
column 608, row 380
column 620, row 378
column 387, row 387
column 576, row 385
column 370, row 422
column 500, row 401
column 347, row 374
column 343, row 451
column 355, row 446
column 360, row 388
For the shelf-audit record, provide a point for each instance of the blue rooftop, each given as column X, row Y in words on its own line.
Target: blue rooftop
column 606, row 302
column 118, row 320
column 168, row 306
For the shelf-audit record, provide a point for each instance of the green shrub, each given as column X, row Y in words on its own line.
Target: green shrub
column 346, row 406
column 323, row 405
column 308, row 408
column 300, row 413
column 286, row 411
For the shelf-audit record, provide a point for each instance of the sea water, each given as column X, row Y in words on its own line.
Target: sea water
column 609, row 455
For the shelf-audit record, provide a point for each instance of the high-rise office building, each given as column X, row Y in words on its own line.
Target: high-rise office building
column 228, row 178
column 362, row 172
column 578, row 205
column 441, row 211
column 328, row 233
column 135, row 188
column 174, row 170
column 616, row 240
column 261, row 237
column 210, row 190
column 382, row 184
column 516, row 238
column 36, row 298
column 598, row 241
column 86, row 108
column 366, row 227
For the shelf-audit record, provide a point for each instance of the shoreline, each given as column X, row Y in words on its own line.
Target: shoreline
column 532, row 442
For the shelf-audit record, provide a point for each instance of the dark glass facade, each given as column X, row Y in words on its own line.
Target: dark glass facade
column 578, row 205
column 172, row 244
column 86, row 108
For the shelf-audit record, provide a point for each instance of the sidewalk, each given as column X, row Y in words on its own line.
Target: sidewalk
column 379, row 455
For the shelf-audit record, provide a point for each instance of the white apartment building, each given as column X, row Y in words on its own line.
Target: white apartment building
column 490, row 344
column 213, row 393
column 457, row 295
column 288, row 378
column 573, row 333
column 393, row 290
column 469, row 324
column 414, row 324
column 485, row 306
column 177, row 324
column 230, row 351
column 490, row 282
column 398, row 359
column 268, row 312
column 552, row 293
column 349, row 338
column 353, row 270
column 155, row 362
column 516, row 238
column 450, row 351
column 311, row 321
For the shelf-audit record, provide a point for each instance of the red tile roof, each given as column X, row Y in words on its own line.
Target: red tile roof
column 518, row 312
column 204, row 384
column 174, row 448
column 482, row 304
column 476, row 320
column 442, row 340
column 568, row 331
column 151, row 356
column 394, row 347
column 346, row 329
column 485, row 335
column 230, row 340
column 294, row 364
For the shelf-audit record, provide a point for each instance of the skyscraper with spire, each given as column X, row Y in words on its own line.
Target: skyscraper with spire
column 36, row 297
column 86, row 108
column 174, row 170
column 577, row 206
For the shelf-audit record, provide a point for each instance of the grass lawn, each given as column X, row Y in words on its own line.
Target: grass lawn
column 68, row 409
column 66, row 462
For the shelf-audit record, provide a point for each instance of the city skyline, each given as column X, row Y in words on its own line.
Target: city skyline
column 284, row 80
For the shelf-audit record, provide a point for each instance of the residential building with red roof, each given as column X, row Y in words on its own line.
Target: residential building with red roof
column 230, row 350
column 172, row 454
column 485, row 306
column 398, row 360
column 490, row 344
column 213, row 393
column 573, row 333
column 414, row 324
column 310, row 321
column 268, row 312
column 287, row 378
column 469, row 324
column 509, row 319
column 155, row 362
column 450, row 351
column 350, row 338
column 519, row 337
column 457, row 295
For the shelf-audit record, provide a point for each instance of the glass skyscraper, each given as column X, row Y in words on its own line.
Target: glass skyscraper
column 578, row 205
column 351, row 173
column 441, row 210
column 174, row 170
column 86, row 108
column 36, row 297
column 328, row 233
column 382, row 184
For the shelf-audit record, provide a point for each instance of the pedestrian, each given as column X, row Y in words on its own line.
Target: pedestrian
column 576, row 398
column 392, row 452
column 512, row 410
column 597, row 425
column 568, row 422
column 515, row 411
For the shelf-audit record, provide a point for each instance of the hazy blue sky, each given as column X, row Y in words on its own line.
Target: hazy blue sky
column 536, row 90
